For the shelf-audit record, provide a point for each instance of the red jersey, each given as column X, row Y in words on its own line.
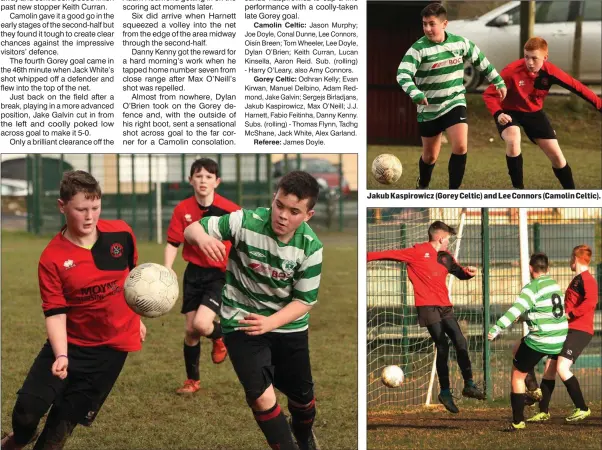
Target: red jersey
column 189, row 211
column 427, row 270
column 580, row 302
column 87, row 286
column 527, row 90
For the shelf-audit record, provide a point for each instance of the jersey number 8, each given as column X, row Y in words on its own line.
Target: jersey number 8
column 557, row 307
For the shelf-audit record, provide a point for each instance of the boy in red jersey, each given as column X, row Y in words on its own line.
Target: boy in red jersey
column 580, row 301
column 90, row 327
column 529, row 81
column 428, row 265
column 203, row 278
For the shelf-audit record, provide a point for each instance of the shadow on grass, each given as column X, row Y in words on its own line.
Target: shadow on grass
column 414, row 427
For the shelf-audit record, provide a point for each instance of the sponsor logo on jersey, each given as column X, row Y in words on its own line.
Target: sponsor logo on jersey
column 69, row 264
column 449, row 62
column 187, row 217
column 116, row 250
column 256, row 254
column 268, row 271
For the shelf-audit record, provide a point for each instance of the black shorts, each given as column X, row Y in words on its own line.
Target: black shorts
column 526, row 358
column 440, row 124
column 575, row 343
column 91, row 374
column 280, row 359
column 536, row 124
column 429, row 315
column 202, row 286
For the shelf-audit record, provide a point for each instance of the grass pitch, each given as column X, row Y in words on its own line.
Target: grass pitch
column 143, row 411
column 480, row 426
column 579, row 136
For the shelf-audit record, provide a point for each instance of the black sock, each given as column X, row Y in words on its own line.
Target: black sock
column 426, row 170
column 572, row 385
column 565, row 176
column 547, row 387
column 518, row 407
column 531, row 380
column 515, row 170
column 192, row 355
column 275, row 428
column 217, row 331
column 302, row 420
column 456, row 167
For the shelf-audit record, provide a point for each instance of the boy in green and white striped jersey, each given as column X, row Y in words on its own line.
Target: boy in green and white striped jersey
column 543, row 301
column 272, row 280
column 432, row 74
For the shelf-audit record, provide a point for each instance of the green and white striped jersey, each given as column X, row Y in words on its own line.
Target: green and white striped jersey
column 438, row 73
column 543, row 301
column 263, row 275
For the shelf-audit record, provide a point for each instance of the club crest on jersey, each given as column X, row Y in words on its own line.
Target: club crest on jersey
column 545, row 81
column 521, row 83
column 188, row 217
column 427, row 255
column 116, row 250
column 69, row 264
column 288, row 266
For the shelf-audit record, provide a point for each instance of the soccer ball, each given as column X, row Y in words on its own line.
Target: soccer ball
column 151, row 290
column 386, row 168
column 392, row 376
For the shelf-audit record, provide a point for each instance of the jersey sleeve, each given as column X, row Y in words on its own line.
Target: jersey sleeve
column 482, row 64
column 307, row 279
column 175, row 231
column 563, row 79
column 492, row 99
column 452, row 266
column 51, row 289
column 590, row 300
column 524, row 302
column 405, row 255
column 133, row 256
column 224, row 228
column 405, row 74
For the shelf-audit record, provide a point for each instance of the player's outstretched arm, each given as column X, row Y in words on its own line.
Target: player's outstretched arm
column 522, row 303
column 402, row 255
column 56, row 327
column 256, row 324
column 455, row 269
column 563, row 79
column 195, row 234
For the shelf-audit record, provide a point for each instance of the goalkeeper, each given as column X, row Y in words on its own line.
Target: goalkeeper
column 543, row 301
column 428, row 265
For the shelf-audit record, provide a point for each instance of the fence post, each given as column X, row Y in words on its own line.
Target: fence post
column 341, row 205
column 486, row 315
column 30, row 192
column 61, row 170
column 151, row 223
column 536, row 237
column 238, row 181
column 268, row 161
column 298, row 161
column 257, row 180
column 183, row 166
column 89, row 162
column 404, row 302
column 118, row 202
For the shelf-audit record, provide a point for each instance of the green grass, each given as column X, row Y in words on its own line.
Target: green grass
column 579, row 136
column 479, row 426
column 143, row 412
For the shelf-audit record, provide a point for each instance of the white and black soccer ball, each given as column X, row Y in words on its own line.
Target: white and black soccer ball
column 386, row 168
column 392, row 376
column 151, row 290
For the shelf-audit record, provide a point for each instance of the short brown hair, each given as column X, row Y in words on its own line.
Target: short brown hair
column 76, row 181
column 539, row 261
column 582, row 254
column 536, row 43
column 301, row 184
column 434, row 9
column 437, row 226
column 204, row 163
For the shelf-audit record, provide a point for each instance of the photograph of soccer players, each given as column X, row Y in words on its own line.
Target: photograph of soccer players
column 89, row 334
column 436, row 67
column 247, row 341
column 465, row 309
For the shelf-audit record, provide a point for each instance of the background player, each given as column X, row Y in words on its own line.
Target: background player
column 203, row 278
column 90, row 327
column 542, row 300
column 432, row 74
column 580, row 301
column 435, row 311
column 272, row 282
column 529, row 81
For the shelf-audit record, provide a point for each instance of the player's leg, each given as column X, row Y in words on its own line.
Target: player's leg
column 457, row 132
column 575, row 343
column 192, row 338
column 430, row 133
column 292, row 376
column 514, row 158
column 441, row 344
column 533, row 393
column 205, row 320
column 35, row 397
column 561, row 168
column 452, row 329
column 252, row 361
column 548, row 382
